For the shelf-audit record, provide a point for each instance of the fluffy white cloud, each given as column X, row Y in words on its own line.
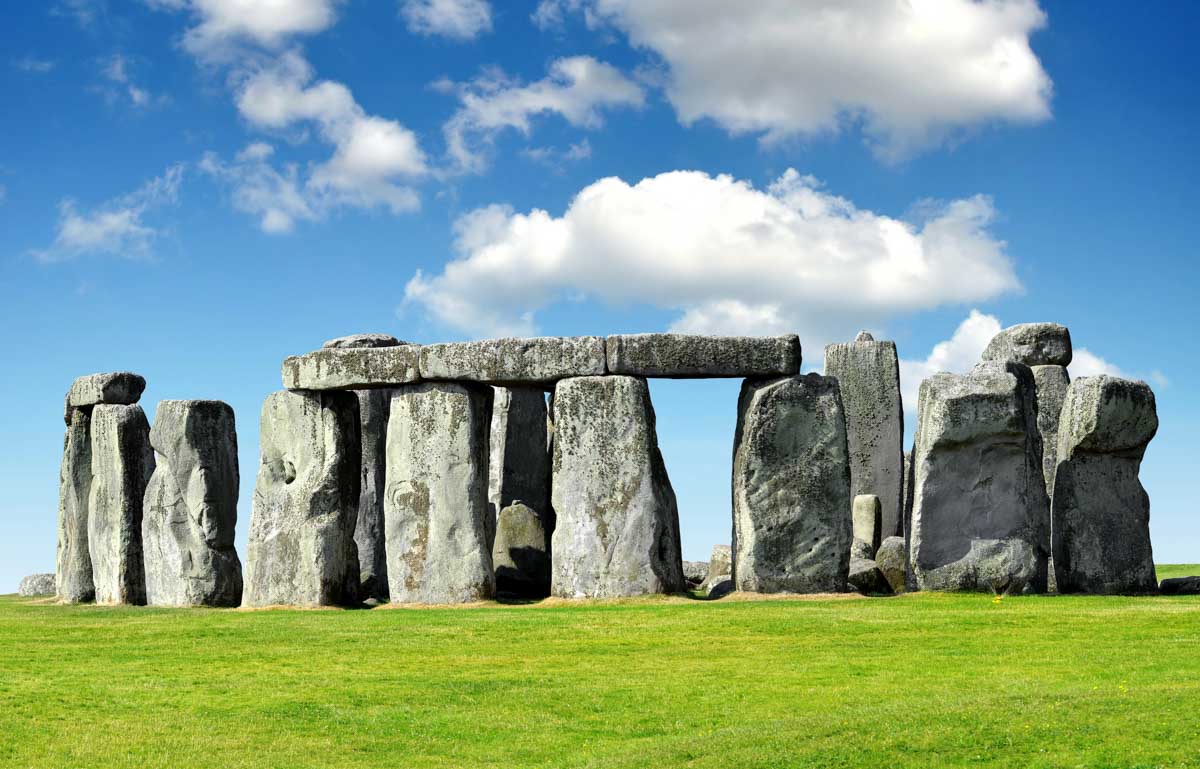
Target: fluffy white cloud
column 455, row 19
column 957, row 355
column 116, row 227
column 577, row 89
column 220, row 25
column 910, row 73
column 276, row 197
column 727, row 256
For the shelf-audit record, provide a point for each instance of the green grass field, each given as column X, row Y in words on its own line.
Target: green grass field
column 921, row 680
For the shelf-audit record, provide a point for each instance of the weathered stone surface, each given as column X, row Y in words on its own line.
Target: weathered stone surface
column 122, row 462
column 521, row 555
column 980, row 512
column 190, row 509
column 1180, row 586
column 352, row 368
column 435, row 511
column 861, row 549
column 695, row 572
column 519, row 455
column 1052, row 383
column 868, row 374
column 618, row 526
column 718, row 587
column 36, row 585
column 892, row 560
column 301, row 550
column 909, row 481
column 866, row 518
column 720, row 561
column 866, row 577
column 73, row 574
column 791, row 487
column 119, row 387
column 1101, row 512
column 688, row 356
column 538, row 360
column 363, row 340
column 1033, row 344
column 374, row 409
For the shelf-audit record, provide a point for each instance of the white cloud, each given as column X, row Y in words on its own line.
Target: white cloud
column 911, row 74
column 455, row 19
column 557, row 158
column 33, row 64
column 116, row 71
column 726, row 256
column 577, row 89
column 116, row 227
column 957, row 355
column 276, row 197
column 221, row 25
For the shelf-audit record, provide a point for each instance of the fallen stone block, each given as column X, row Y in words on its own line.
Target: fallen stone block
column 531, row 361
column 36, row 585
column 1032, row 344
column 892, row 560
column 352, row 368
column 695, row 572
column 521, row 555
column 720, row 561
column 690, row 356
column 73, row 573
column 1180, row 586
column 866, row 577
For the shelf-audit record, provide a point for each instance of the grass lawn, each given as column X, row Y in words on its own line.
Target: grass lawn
column 922, row 680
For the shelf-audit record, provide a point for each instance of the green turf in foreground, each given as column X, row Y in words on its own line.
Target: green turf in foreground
column 922, row 680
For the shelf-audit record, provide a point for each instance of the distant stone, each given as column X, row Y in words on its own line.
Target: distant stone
column 519, row 455
column 1052, row 383
column 352, row 368
column 435, row 511
column 374, row 408
column 357, row 341
column 514, row 361
column 1033, row 344
column 695, row 572
column 36, row 585
column 864, row 336
column 721, row 561
column 617, row 532
column 686, row 356
column 1101, row 510
column 718, row 587
column 906, row 519
column 791, row 487
column 190, row 511
column 866, row 517
column 868, row 375
column 866, row 577
column 521, row 555
column 980, row 514
column 861, row 549
column 301, row 550
column 122, row 462
column 74, row 562
column 1180, row 586
column 120, row 387
column 892, row 560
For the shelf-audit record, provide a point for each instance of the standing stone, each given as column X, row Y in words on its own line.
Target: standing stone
column 73, row 575
column 618, row 525
column 1031, row 344
column 791, row 487
column 122, row 462
column 435, row 510
column 521, row 555
column 191, row 507
column 867, row 512
column 519, row 456
column 374, row 408
column 908, row 493
column 868, row 373
column 720, row 563
column 301, row 550
column 1051, row 383
column 980, row 509
column 1101, row 511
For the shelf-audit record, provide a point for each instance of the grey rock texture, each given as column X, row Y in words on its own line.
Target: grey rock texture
column 122, row 462
column 1052, row 383
column 352, row 368
column 301, row 550
column 190, row 509
column 980, row 512
column 868, row 374
column 1101, row 512
column 618, row 525
column 866, row 577
column 861, row 549
column 73, row 573
column 688, row 356
column 519, row 454
column 720, row 561
column 718, row 587
column 1180, row 586
column 119, row 387
column 892, row 560
column 435, row 511
column 1033, row 344
column 363, row 340
column 521, row 555
column 538, row 360
column 791, row 487
column 909, row 481
column 36, row 585
column 374, row 409
column 866, row 520
column 695, row 572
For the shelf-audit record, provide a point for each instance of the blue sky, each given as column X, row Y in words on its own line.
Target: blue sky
column 194, row 189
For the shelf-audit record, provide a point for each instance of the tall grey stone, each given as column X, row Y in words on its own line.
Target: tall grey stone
column 190, row 509
column 690, row 356
column 617, row 531
column 980, row 512
column 868, row 374
column 720, row 563
column 374, row 409
column 1101, row 512
column 1032, row 344
column 791, row 487
column 122, row 462
column 519, row 455
column 906, row 522
column 866, row 515
column 1052, row 383
column 301, row 550
column 515, row 361
column 521, row 555
column 435, row 510
column 73, row 574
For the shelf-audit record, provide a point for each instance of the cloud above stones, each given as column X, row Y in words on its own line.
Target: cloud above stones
column 910, row 75
column 454, row 19
column 221, row 27
column 725, row 256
